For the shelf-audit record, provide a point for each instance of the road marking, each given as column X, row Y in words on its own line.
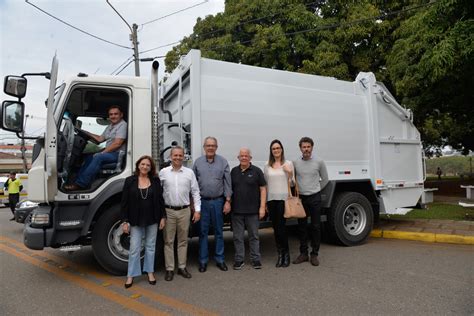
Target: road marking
column 105, row 278
column 88, row 285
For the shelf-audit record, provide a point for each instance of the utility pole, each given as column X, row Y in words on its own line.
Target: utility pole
column 133, row 38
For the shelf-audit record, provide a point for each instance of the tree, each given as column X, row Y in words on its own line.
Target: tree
column 431, row 67
column 340, row 38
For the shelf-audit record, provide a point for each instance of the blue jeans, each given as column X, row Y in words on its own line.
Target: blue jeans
column 137, row 233
column 211, row 213
column 92, row 165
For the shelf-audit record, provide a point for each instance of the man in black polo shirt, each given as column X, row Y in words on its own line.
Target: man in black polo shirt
column 248, row 206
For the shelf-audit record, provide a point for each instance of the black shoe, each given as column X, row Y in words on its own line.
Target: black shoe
column 279, row 262
column 286, row 260
column 128, row 285
column 13, row 218
column 238, row 265
column 202, row 267
column 256, row 265
column 184, row 273
column 150, row 281
column 169, row 275
column 222, row 266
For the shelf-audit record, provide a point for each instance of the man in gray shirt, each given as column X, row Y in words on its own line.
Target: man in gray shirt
column 115, row 136
column 213, row 175
column 311, row 177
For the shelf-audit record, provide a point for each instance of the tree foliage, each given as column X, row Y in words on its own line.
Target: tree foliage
column 431, row 67
column 419, row 49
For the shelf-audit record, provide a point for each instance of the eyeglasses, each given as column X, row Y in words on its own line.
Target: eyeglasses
column 210, row 146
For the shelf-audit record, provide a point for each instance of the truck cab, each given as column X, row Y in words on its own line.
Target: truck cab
column 71, row 219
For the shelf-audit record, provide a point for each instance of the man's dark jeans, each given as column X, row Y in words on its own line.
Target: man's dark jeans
column 13, row 199
column 312, row 206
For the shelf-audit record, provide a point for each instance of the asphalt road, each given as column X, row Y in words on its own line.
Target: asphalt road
column 383, row 277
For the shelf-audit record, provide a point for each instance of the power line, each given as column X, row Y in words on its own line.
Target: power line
column 76, row 28
column 259, row 19
column 165, row 16
column 326, row 27
column 124, row 67
column 223, row 29
column 381, row 17
column 158, row 47
column 121, row 65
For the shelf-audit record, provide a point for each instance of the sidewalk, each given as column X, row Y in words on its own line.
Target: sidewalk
column 428, row 230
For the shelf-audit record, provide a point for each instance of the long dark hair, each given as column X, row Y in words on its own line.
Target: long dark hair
column 152, row 171
column 271, row 158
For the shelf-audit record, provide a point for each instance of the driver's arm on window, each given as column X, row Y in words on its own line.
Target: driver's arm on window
column 116, row 144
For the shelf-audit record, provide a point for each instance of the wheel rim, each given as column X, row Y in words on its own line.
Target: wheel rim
column 118, row 242
column 355, row 219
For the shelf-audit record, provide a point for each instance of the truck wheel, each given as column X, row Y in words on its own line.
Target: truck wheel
column 109, row 244
column 350, row 219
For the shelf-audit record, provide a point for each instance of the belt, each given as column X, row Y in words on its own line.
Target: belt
column 177, row 208
column 211, row 198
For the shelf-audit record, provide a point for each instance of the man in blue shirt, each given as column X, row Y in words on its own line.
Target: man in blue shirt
column 213, row 175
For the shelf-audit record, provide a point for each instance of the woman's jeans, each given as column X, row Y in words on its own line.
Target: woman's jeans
column 137, row 233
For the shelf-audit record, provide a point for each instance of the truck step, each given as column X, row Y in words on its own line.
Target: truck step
column 70, row 248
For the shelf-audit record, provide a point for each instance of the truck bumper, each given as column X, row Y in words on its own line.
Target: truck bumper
column 37, row 238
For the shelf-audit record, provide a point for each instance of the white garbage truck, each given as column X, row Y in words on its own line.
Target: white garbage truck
column 371, row 147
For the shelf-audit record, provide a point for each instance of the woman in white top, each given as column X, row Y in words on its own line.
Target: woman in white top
column 277, row 172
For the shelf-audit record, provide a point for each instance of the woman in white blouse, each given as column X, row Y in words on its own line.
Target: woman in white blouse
column 278, row 172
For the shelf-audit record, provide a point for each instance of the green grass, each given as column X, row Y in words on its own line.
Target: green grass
column 450, row 166
column 435, row 178
column 437, row 211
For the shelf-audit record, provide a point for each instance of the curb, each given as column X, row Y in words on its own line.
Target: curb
column 426, row 237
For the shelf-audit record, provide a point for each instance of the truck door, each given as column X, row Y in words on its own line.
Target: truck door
column 51, row 186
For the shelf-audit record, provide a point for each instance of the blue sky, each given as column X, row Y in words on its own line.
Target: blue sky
column 30, row 38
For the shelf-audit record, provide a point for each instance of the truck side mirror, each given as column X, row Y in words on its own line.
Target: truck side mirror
column 15, row 86
column 13, row 113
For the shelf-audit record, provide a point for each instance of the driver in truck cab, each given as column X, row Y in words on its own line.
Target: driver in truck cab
column 115, row 136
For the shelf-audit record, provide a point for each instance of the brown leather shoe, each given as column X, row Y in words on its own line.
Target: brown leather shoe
column 184, row 273
column 314, row 260
column 301, row 258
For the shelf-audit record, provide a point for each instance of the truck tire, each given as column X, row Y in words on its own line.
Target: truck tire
column 350, row 219
column 109, row 244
